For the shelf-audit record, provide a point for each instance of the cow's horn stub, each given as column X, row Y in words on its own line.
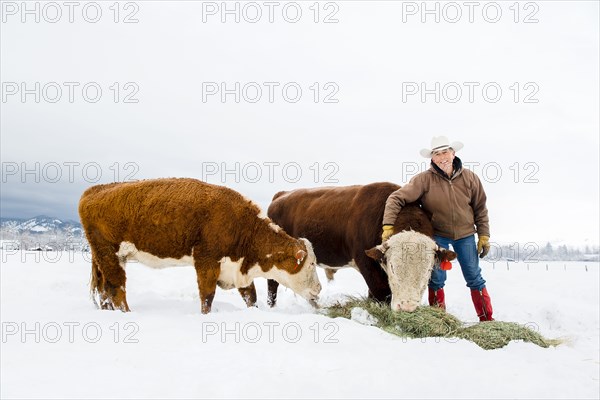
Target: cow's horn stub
column 300, row 254
column 383, row 247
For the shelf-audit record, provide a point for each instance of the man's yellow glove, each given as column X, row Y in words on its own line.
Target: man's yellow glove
column 388, row 230
column 483, row 246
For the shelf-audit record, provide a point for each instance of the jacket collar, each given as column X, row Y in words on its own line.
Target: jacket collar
column 456, row 164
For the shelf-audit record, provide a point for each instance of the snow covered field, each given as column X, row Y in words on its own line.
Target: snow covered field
column 55, row 344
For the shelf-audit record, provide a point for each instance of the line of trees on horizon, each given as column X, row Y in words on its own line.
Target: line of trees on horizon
column 517, row 252
column 533, row 252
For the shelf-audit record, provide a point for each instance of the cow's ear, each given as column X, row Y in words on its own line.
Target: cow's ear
column 375, row 253
column 445, row 255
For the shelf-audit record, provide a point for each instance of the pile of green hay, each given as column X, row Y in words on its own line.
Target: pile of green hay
column 435, row 322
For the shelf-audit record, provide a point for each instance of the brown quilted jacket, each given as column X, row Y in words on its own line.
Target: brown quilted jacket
column 457, row 204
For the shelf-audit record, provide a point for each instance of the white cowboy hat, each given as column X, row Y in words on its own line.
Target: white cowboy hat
column 439, row 143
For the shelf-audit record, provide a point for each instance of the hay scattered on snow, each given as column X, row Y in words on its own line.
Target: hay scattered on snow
column 434, row 322
column 496, row 334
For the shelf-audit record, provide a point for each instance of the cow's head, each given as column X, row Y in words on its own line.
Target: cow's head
column 297, row 270
column 408, row 258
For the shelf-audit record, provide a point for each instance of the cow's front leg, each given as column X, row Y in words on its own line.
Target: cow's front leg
column 249, row 294
column 272, row 286
column 375, row 277
column 329, row 273
column 207, row 273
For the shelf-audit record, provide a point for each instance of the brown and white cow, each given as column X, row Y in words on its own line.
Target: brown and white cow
column 344, row 226
column 168, row 222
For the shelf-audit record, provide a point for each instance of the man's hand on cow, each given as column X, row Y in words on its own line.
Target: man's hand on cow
column 483, row 246
column 388, row 230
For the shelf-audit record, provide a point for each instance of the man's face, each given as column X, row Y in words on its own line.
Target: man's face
column 444, row 159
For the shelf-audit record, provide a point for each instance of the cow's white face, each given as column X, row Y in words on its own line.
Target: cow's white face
column 305, row 282
column 408, row 258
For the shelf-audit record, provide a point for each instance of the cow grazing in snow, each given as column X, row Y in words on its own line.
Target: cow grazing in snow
column 169, row 222
column 344, row 226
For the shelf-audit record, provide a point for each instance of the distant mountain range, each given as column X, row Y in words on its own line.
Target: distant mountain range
column 43, row 229
column 40, row 225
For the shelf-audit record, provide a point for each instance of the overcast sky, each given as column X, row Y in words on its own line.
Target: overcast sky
column 349, row 99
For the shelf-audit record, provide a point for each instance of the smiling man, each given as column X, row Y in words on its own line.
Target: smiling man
column 456, row 201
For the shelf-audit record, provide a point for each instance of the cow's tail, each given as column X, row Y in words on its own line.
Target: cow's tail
column 95, row 274
column 95, row 283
